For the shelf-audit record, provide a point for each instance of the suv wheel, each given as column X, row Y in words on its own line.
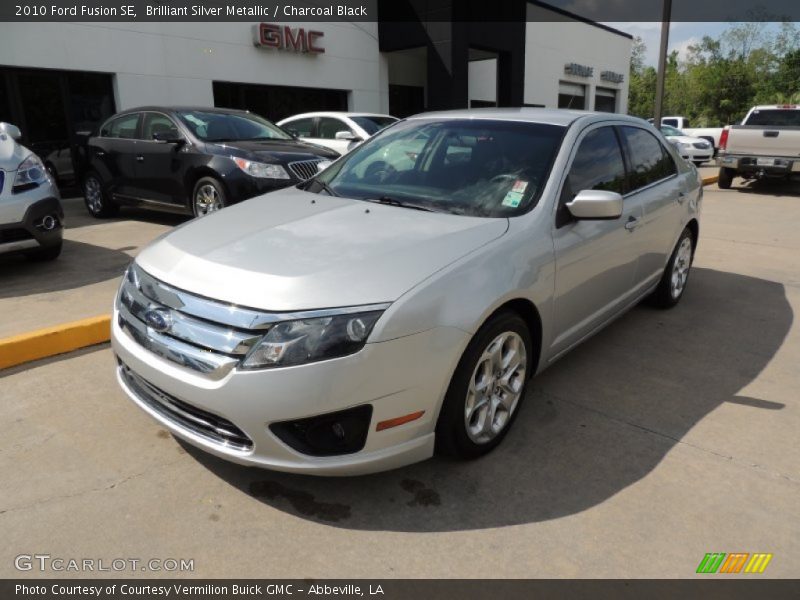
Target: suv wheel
column 725, row 178
column 208, row 197
column 96, row 198
column 487, row 388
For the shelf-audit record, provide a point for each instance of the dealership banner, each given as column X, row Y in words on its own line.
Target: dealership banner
column 394, row 589
column 392, row 10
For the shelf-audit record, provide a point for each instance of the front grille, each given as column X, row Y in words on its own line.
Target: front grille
column 702, row 145
column 305, row 169
column 203, row 423
column 194, row 332
column 14, row 235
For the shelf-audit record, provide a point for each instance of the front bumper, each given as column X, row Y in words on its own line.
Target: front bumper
column 396, row 378
column 21, row 218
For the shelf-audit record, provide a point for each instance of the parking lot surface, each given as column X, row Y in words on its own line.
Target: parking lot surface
column 666, row 436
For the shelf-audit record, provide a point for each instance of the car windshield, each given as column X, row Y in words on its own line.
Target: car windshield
column 212, row 126
column 667, row 130
column 373, row 125
column 462, row 166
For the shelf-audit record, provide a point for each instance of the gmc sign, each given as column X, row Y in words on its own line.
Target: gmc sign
column 287, row 38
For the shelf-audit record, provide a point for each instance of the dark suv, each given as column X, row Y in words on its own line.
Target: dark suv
column 191, row 160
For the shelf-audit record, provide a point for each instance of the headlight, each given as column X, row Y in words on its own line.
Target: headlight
column 308, row 340
column 262, row 170
column 30, row 173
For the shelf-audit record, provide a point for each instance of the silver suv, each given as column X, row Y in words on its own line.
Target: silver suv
column 395, row 305
column 31, row 217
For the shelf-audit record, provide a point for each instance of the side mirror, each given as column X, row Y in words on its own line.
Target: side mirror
column 10, row 130
column 347, row 135
column 168, row 137
column 596, row 204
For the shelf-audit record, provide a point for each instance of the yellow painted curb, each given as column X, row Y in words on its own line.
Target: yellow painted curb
column 710, row 180
column 51, row 341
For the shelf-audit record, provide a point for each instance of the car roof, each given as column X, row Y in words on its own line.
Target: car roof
column 551, row 116
column 183, row 108
column 336, row 113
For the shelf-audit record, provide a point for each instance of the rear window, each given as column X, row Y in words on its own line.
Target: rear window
column 775, row 117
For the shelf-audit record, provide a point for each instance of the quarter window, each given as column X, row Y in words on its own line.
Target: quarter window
column 649, row 160
column 597, row 165
column 121, row 127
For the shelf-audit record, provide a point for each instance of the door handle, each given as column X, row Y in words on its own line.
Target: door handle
column 99, row 153
column 139, row 158
column 632, row 223
column 681, row 197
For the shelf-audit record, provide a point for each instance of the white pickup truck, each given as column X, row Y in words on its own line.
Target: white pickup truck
column 712, row 134
column 766, row 144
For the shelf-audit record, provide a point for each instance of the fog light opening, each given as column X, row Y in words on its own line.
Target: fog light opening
column 332, row 434
column 48, row 223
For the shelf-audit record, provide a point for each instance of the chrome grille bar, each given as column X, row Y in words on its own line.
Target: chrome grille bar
column 305, row 169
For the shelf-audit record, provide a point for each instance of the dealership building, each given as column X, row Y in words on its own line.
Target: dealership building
column 57, row 79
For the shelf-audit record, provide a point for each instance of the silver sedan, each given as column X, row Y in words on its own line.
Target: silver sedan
column 394, row 306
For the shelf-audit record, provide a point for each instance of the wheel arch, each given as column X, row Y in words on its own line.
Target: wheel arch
column 192, row 177
column 527, row 310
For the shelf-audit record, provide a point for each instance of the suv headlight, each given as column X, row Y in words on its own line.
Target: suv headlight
column 30, row 173
column 303, row 341
column 261, row 170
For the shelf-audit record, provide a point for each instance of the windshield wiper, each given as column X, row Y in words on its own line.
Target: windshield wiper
column 395, row 202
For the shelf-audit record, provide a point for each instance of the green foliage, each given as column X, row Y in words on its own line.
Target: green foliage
column 719, row 80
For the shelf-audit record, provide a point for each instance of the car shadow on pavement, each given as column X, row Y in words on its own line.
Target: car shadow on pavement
column 596, row 422
column 76, row 215
column 768, row 187
column 80, row 264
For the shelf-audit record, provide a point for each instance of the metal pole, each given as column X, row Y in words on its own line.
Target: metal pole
column 662, row 62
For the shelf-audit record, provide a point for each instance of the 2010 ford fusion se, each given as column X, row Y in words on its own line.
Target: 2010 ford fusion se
column 398, row 303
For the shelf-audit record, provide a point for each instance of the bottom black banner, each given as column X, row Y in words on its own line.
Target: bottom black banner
column 391, row 589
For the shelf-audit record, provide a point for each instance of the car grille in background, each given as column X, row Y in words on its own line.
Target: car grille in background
column 205, row 424
column 200, row 334
column 702, row 145
column 14, row 235
column 305, row 169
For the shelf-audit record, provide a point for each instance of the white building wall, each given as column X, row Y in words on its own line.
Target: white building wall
column 175, row 63
column 551, row 45
column 483, row 80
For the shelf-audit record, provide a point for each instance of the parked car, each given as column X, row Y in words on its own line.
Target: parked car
column 31, row 216
column 765, row 145
column 710, row 134
column 367, row 317
column 689, row 147
column 191, row 160
column 340, row 131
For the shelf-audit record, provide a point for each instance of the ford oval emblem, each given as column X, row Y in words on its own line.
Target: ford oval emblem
column 158, row 319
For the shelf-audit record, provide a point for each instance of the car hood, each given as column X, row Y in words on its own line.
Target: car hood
column 294, row 250
column 11, row 153
column 274, row 150
column 684, row 139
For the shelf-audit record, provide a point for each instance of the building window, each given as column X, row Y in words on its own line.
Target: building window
column 406, row 100
column 605, row 100
column 571, row 95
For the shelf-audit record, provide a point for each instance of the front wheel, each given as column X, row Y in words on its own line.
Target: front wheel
column 676, row 274
column 725, row 178
column 208, row 197
column 487, row 388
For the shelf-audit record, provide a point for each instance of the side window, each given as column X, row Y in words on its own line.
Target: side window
column 649, row 160
column 598, row 165
column 157, row 123
column 122, row 127
column 328, row 128
column 301, row 127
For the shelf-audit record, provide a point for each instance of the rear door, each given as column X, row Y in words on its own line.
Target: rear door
column 596, row 260
column 159, row 165
column 113, row 153
column 654, row 188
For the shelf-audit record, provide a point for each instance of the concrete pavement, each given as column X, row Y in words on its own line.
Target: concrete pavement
column 668, row 435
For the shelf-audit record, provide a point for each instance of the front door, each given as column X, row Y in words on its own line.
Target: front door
column 159, row 165
column 596, row 260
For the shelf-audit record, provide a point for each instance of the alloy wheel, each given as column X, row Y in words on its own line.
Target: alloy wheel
column 495, row 387
column 94, row 195
column 207, row 200
column 680, row 268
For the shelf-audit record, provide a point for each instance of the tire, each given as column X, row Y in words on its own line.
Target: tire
column 725, row 178
column 464, row 429
column 44, row 254
column 676, row 274
column 208, row 196
column 96, row 197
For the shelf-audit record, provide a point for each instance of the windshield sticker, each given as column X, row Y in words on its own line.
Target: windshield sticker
column 514, row 196
column 519, row 186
